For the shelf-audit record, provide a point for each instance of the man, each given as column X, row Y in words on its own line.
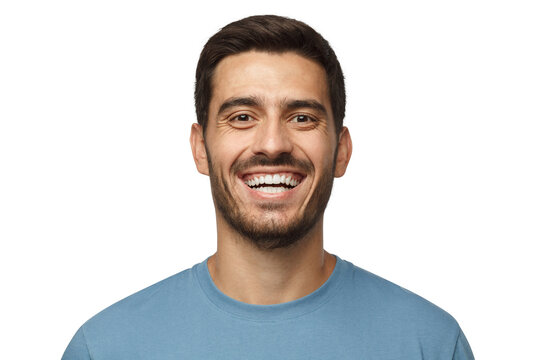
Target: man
column 270, row 103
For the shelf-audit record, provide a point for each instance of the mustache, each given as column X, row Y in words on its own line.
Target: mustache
column 284, row 159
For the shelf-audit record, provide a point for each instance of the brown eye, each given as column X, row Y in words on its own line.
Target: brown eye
column 242, row 121
column 242, row 117
column 302, row 119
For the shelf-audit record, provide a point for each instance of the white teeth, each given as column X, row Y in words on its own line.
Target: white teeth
column 288, row 180
column 272, row 179
column 269, row 189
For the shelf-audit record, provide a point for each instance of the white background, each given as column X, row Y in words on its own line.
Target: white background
column 99, row 196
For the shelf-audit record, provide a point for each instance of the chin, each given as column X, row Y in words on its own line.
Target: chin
column 272, row 233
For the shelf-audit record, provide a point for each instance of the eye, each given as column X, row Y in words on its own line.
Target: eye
column 241, row 121
column 302, row 119
column 242, row 118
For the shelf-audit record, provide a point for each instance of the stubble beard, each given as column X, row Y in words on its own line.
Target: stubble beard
column 267, row 232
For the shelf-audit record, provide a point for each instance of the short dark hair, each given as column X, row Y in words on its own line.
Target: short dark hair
column 269, row 33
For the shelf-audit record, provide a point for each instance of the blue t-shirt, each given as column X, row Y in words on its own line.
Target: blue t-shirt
column 353, row 315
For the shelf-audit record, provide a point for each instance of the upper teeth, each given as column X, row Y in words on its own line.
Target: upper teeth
column 272, row 179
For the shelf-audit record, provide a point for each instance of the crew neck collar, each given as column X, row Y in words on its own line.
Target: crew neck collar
column 287, row 310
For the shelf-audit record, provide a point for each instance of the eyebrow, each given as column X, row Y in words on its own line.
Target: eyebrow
column 306, row 104
column 256, row 101
column 240, row 101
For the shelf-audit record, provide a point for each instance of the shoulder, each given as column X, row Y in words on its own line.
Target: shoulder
column 394, row 304
column 121, row 330
column 395, row 321
column 153, row 302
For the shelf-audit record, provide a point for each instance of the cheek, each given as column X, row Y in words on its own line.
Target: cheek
column 319, row 151
column 225, row 152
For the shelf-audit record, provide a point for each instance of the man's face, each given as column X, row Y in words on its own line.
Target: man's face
column 270, row 146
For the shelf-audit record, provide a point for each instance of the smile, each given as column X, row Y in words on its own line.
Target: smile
column 275, row 183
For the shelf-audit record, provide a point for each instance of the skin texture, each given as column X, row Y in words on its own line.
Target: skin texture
column 270, row 113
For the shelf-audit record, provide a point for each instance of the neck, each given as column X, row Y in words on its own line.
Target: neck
column 246, row 273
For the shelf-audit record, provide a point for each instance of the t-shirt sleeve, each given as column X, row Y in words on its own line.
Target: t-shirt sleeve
column 462, row 350
column 77, row 348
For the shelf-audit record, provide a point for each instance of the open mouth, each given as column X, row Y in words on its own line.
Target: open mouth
column 272, row 183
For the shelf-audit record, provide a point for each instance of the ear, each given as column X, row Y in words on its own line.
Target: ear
column 196, row 139
column 344, row 152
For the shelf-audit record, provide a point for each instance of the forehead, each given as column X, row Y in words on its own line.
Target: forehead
column 274, row 77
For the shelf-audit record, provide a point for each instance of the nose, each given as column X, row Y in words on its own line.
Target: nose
column 272, row 138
